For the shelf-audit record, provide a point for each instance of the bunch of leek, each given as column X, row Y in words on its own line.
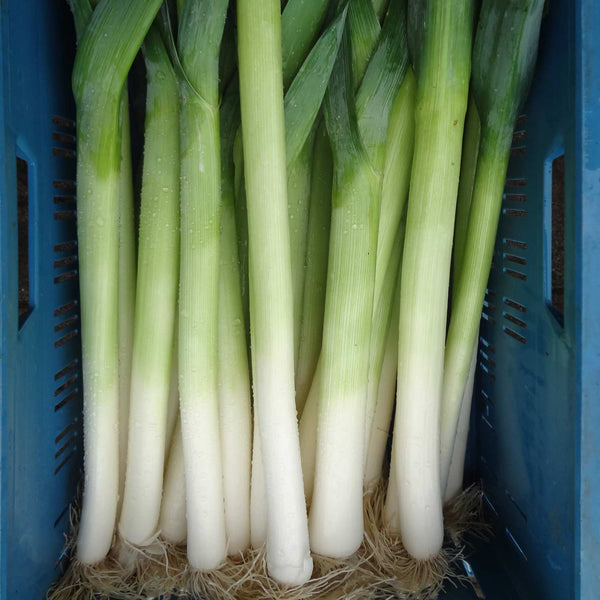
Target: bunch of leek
column 289, row 287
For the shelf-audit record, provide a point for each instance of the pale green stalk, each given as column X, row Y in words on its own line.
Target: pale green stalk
column 127, row 284
column 396, row 177
column 156, row 294
column 336, row 520
column 386, row 396
column 234, row 378
column 463, row 206
column 271, row 309
column 82, row 13
column 468, row 167
column 104, row 56
column 301, row 106
column 504, row 57
column 317, row 248
column 241, row 224
column 396, row 173
column 201, row 25
column 382, row 318
column 298, row 189
column 440, row 42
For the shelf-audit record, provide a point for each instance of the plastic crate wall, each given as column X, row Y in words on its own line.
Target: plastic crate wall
column 536, row 406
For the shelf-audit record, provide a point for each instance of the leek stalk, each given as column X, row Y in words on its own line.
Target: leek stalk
column 504, row 57
column 234, row 378
column 156, row 294
column 201, row 24
column 336, row 521
column 440, row 44
column 104, row 56
column 271, row 300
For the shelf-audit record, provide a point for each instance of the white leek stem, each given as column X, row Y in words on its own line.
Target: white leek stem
column 308, row 434
column 271, row 299
column 457, row 466
column 258, row 494
column 172, row 522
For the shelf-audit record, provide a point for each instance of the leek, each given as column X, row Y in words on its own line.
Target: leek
column 440, row 43
column 317, row 245
column 386, row 396
column 336, row 520
column 201, row 24
column 234, row 379
column 298, row 188
column 156, row 294
column 127, row 284
column 385, row 314
column 172, row 521
column 300, row 24
column 463, row 206
column 504, row 57
column 271, row 301
column 104, row 56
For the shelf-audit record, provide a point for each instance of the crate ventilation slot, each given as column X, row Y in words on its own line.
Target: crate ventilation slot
column 63, row 340
column 487, row 345
column 514, row 258
column 61, row 215
column 516, row 182
column 486, row 414
column 65, row 276
column 65, row 138
column 66, row 323
column 65, row 262
column 514, row 320
column 515, row 544
column 71, row 396
column 66, row 445
column 65, row 246
column 516, row 505
column 67, row 199
column 66, row 369
column 513, row 334
column 514, row 212
column 514, row 304
column 519, row 145
column 66, row 385
column 62, row 514
column 515, row 243
column 473, row 580
column 515, row 197
column 64, row 184
column 488, row 504
column 66, row 142
column 65, row 308
column 65, row 460
column 514, row 273
column 63, row 122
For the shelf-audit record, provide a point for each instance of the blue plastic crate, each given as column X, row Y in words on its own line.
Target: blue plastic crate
column 537, row 404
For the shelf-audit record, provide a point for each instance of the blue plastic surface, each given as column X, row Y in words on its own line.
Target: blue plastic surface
column 40, row 440
column 537, row 405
